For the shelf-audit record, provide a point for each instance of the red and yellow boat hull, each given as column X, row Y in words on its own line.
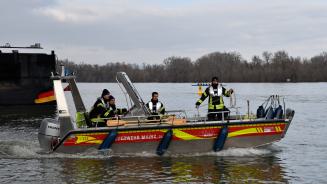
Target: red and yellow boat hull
column 185, row 139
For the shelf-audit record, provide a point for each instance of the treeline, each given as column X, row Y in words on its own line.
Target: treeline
column 228, row 66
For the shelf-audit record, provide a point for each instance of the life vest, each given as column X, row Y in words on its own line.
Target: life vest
column 215, row 98
column 215, row 92
column 154, row 109
column 216, row 101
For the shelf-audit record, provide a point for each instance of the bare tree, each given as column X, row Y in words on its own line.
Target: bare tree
column 228, row 66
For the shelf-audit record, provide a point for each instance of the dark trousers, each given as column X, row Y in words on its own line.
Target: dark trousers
column 217, row 114
column 154, row 116
column 98, row 124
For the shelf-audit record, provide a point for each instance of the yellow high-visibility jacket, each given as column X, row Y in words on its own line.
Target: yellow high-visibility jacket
column 216, row 101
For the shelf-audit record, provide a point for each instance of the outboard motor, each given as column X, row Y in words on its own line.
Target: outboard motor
column 49, row 134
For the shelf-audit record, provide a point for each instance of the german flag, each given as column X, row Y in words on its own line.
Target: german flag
column 47, row 96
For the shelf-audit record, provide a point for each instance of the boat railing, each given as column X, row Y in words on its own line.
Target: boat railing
column 144, row 120
column 177, row 113
column 198, row 119
column 236, row 111
column 172, row 119
column 230, row 117
column 171, row 115
column 204, row 119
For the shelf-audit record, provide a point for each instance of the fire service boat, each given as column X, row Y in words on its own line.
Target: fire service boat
column 173, row 133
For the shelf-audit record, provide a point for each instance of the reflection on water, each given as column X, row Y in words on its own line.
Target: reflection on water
column 171, row 170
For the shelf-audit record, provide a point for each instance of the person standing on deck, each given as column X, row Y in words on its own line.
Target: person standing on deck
column 155, row 106
column 100, row 109
column 216, row 101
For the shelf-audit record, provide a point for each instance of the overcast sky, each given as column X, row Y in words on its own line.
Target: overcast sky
column 137, row 31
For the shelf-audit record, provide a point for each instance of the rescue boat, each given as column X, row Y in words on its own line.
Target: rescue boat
column 174, row 133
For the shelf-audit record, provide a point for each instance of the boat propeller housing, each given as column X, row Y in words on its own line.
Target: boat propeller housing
column 49, row 133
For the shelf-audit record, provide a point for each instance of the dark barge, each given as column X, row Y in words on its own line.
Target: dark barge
column 24, row 75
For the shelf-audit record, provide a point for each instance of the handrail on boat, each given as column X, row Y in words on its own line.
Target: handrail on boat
column 143, row 119
column 177, row 111
column 159, row 119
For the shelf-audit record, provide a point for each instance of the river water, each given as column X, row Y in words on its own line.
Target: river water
column 301, row 157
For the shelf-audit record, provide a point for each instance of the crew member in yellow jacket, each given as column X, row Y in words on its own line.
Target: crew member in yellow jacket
column 216, row 106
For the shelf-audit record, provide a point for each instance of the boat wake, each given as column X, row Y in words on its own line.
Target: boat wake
column 30, row 149
column 240, row 152
column 18, row 149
